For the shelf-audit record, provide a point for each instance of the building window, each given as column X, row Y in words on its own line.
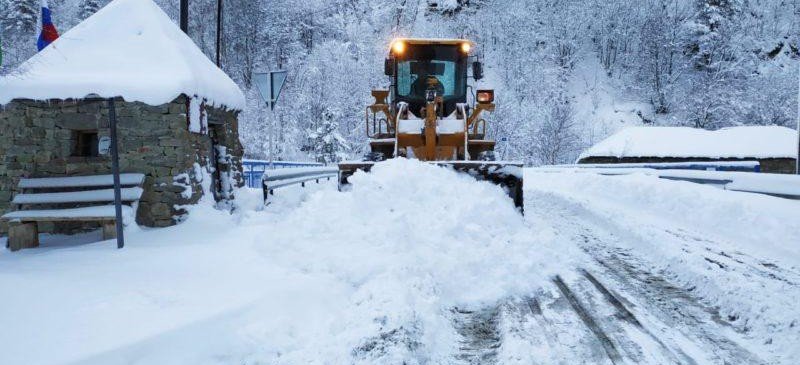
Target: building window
column 85, row 144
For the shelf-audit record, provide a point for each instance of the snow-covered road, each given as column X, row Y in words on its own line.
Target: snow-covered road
column 419, row 265
column 664, row 289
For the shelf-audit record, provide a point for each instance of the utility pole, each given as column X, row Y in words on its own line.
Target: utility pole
column 220, row 22
column 185, row 16
column 797, row 161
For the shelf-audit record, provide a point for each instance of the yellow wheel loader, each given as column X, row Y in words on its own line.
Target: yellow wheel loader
column 425, row 114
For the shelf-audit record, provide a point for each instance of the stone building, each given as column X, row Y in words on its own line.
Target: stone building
column 775, row 148
column 176, row 112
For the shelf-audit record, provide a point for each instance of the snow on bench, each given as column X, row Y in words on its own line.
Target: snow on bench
column 80, row 181
column 89, row 196
column 98, row 213
column 82, row 200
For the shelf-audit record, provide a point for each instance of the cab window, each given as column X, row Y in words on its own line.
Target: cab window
column 421, row 63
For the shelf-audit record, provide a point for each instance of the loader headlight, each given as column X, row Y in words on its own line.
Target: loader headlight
column 466, row 47
column 398, row 47
column 485, row 96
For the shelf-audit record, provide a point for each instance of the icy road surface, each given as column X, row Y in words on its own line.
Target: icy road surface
column 420, row 265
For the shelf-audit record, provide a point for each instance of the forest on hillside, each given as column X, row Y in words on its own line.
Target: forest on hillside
column 567, row 73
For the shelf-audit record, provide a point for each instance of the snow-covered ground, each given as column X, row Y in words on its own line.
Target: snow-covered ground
column 737, row 253
column 417, row 264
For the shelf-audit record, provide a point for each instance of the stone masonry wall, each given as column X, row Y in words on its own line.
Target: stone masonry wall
column 37, row 140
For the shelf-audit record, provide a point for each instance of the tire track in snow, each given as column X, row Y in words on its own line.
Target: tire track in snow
column 677, row 319
column 545, row 329
column 402, row 342
column 480, row 335
column 589, row 321
column 644, row 336
column 675, row 307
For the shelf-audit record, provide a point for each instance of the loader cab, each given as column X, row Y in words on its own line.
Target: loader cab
column 424, row 69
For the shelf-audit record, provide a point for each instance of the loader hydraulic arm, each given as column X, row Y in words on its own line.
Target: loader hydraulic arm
column 480, row 107
column 380, row 106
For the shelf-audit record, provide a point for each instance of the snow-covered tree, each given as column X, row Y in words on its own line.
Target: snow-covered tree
column 556, row 140
column 325, row 142
column 21, row 16
column 88, row 7
column 704, row 63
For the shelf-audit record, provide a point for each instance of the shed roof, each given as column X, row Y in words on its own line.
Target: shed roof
column 685, row 142
column 129, row 48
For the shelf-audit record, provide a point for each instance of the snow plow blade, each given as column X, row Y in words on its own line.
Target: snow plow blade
column 508, row 175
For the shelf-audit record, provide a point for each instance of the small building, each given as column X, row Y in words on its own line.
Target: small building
column 774, row 147
column 176, row 111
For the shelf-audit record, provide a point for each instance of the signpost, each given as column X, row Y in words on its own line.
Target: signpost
column 269, row 85
column 112, row 122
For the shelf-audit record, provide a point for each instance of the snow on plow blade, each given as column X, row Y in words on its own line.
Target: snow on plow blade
column 508, row 175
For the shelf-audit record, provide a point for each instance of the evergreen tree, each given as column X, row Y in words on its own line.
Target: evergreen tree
column 325, row 142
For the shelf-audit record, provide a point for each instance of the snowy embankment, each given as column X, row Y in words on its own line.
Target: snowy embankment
column 772, row 184
column 367, row 276
column 739, row 252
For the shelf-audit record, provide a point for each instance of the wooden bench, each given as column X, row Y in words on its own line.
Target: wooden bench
column 69, row 199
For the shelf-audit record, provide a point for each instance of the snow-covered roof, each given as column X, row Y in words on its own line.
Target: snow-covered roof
column 129, row 48
column 685, row 142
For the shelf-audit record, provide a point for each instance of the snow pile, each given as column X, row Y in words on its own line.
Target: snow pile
column 756, row 223
column 130, row 48
column 784, row 185
column 368, row 276
column 684, row 142
column 778, row 184
column 414, row 241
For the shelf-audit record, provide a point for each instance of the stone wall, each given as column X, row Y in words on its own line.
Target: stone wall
column 768, row 165
column 38, row 140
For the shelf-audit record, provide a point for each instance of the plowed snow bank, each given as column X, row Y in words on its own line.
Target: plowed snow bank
column 368, row 276
column 414, row 240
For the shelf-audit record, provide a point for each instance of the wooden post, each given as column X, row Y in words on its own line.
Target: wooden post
column 112, row 121
column 23, row 235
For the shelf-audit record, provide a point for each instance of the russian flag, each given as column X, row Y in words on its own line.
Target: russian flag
column 49, row 32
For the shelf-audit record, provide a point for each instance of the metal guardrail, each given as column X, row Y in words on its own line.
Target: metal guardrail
column 253, row 170
column 279, row 178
